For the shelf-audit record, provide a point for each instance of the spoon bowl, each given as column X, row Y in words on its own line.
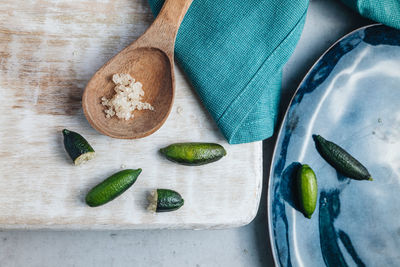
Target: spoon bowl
column 149, row 60
column 152, row 68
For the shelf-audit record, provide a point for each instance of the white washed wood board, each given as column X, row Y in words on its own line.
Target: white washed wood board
column 48, row 52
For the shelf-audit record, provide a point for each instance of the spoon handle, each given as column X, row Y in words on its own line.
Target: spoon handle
column 162, row 33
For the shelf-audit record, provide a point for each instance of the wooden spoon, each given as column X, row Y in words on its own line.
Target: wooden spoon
column 149, row 60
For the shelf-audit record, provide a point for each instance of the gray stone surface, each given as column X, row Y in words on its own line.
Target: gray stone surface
column 327, row 21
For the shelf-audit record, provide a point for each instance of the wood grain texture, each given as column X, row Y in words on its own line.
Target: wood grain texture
column 48, row 52
column 150, row 60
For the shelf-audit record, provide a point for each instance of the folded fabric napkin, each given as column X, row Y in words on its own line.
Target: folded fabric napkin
column 384, row 11
column 233, row 52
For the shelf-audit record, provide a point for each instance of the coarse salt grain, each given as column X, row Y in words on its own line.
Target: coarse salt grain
column 127, row 98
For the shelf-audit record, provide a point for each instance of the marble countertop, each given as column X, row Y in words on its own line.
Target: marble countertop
column 327, row 20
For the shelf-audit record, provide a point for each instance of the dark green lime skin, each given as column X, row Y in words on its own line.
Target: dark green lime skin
column 168, row 200
column 341, row 160
column 193, row 154
column 75, row 144
column 307, row 190
column 112, row 187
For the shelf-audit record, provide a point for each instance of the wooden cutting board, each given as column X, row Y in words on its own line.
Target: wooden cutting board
column 48, row 52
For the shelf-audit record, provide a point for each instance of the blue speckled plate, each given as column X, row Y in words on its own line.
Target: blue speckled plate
column 352, row 97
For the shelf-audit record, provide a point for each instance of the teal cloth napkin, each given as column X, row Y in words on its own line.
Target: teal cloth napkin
column 233, row 52
column 384, row 11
